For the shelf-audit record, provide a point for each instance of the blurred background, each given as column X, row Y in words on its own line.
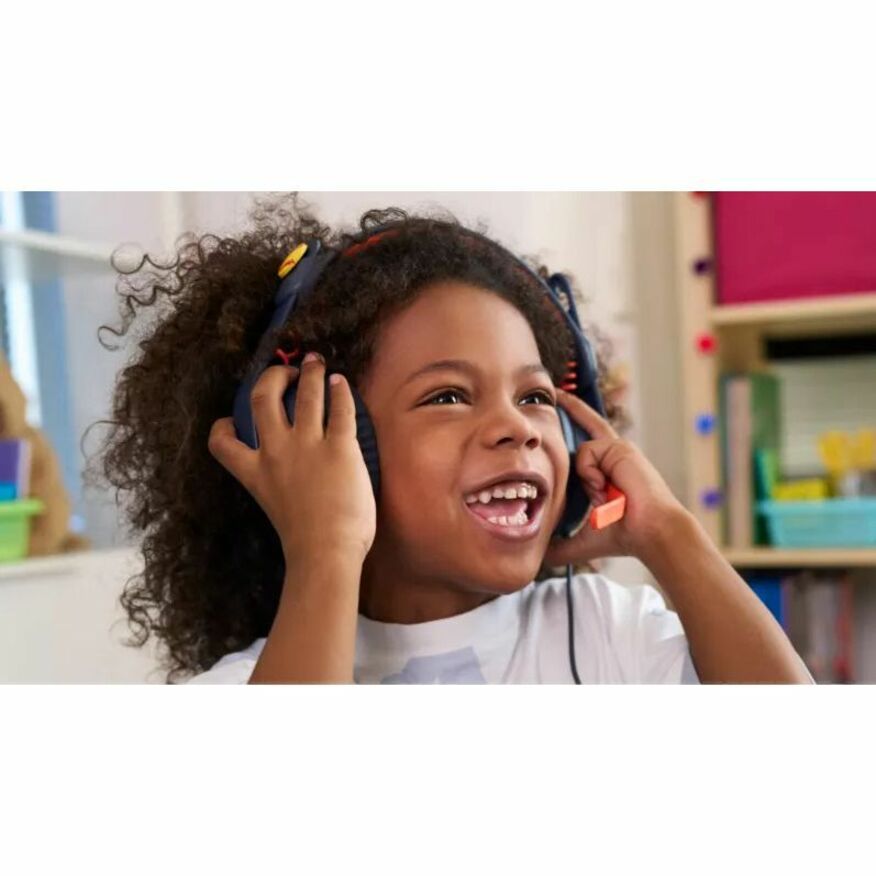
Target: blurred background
column 744, row 330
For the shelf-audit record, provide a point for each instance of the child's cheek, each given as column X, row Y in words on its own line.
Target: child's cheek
column 417, row 486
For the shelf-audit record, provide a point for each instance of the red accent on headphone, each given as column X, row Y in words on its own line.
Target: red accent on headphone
column 364, row 244
column 286, row 357
column 570, row 377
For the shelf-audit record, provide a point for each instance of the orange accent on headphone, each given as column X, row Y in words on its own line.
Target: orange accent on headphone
column 611, row 511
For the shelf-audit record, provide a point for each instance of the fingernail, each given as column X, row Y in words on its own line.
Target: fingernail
column 311, row 357
column 335, row 379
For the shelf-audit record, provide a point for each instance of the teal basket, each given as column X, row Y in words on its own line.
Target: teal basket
column 15, row 519
column 824, row 523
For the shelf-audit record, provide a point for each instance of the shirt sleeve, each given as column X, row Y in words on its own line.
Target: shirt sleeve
column 231, row 669
column 662, row 648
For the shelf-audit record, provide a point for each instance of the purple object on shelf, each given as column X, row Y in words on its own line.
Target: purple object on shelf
column 15, row 465
column 711, row 498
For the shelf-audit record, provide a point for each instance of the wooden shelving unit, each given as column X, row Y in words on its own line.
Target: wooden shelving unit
column 739, row 331
column 823, row 558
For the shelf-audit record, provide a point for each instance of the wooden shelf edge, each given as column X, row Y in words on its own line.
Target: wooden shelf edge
column 62, row 564
column 803, row 557
column 795, row 310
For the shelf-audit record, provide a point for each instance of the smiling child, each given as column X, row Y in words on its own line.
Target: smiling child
column 278, row 563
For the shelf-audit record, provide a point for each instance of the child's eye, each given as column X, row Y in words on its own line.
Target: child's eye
column 447, row 393
column 541, row 394
column 544, row 397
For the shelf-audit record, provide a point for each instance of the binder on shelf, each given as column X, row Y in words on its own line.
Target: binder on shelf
column 750, row 443
column 819, row 613
column 770, row 589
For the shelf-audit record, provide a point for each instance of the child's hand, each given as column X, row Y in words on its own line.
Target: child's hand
column 311, row 482
column 650, row 508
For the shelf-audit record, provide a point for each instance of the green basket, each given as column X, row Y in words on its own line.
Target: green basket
column 15, row 527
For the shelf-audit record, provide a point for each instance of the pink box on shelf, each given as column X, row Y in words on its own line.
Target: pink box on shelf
column 771, row 246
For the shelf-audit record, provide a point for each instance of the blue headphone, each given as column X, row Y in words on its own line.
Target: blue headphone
column 300, row 272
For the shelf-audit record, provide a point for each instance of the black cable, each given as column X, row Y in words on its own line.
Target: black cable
column 571, row 615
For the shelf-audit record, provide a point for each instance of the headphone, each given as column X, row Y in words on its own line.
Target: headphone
column 300, row 272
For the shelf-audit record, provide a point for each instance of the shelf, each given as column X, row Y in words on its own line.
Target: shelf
column 59, row 564
column 749, row 558
column 800, row 316
column 39, row 256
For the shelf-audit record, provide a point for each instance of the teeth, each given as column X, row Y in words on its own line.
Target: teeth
column 518, row 520
column 522, row 491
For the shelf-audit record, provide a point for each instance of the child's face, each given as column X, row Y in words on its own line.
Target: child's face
column 491, row 414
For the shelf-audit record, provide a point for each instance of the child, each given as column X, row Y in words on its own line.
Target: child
column 275, row 563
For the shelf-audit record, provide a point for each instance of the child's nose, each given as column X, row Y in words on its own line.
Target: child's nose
column 510, row 426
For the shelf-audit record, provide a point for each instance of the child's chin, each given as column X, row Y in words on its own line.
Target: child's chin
column 510, row 580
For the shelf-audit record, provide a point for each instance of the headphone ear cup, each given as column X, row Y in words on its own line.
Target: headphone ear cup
column 577, row 502
column 367, row 438
column 365, row 433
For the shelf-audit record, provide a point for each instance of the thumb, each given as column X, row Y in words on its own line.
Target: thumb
column 229, row 451
column 587, row 544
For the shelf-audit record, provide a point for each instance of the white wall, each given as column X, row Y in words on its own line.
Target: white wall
column 585, row 233
column 89, row 302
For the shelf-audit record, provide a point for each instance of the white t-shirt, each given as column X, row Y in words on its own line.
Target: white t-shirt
column 622, row 634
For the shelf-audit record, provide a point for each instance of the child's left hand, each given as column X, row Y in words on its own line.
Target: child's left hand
column 607, row 458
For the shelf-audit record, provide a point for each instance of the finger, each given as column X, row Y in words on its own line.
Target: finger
column 585, row 416
column 587, row 544
column 310, row 403
column 593, row 462
column 229, row 450
column 342, row 409
column 266, row 399
column 593, row 478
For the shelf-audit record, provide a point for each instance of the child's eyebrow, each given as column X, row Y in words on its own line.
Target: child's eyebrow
column 471, row 370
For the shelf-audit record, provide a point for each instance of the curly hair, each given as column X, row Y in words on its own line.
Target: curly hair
column 213, row 565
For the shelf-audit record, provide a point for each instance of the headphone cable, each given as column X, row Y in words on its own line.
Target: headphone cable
column 571, row 616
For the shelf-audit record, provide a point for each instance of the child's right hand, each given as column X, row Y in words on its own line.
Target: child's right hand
column 311, row 482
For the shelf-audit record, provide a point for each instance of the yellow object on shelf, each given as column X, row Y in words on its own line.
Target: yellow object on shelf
column 794, row 491
column 849, row 460
column 836, row 452
column 864, row 449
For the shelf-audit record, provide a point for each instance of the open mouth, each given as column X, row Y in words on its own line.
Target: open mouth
column 514, row 519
